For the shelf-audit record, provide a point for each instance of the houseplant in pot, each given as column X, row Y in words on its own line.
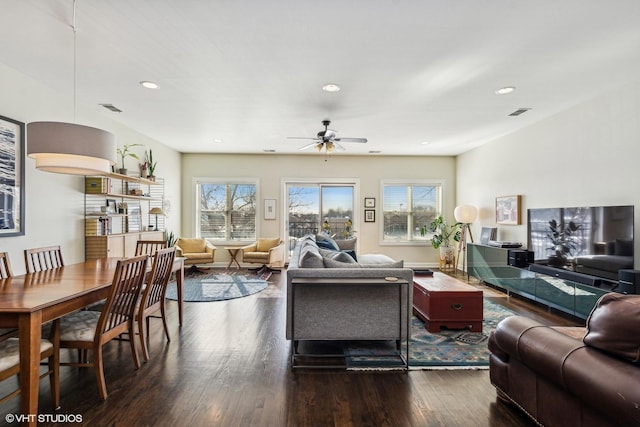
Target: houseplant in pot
column 125, row 152
column 563, row 242
column 444, row 236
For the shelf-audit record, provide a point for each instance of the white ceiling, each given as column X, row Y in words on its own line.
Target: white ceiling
column 249, row 72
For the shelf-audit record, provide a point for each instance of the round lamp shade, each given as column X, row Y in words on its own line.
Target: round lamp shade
column 70, row 148
column 466, row 214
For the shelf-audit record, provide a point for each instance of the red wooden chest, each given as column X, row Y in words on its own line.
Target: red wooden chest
column 441, row 300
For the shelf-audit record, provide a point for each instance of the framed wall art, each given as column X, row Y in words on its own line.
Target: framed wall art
column 269, row 208
column 369, row 215
column 369, row 202
column 111, row 206
column 11, row 177
column 508, row 210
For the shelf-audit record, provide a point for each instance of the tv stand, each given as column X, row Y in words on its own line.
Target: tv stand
column 565, row 290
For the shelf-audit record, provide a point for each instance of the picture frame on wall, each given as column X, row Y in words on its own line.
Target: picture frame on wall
column 269, row 209
column 508, row 210
column 369, row 215
column 12, row 165
column 369, row 202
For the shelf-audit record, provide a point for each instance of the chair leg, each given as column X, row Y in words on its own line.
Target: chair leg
column 99, row 368
column 132, row 341
column 143, row 337
column 163, row 313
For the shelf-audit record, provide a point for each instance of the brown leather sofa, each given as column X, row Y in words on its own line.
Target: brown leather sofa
column 568, row 376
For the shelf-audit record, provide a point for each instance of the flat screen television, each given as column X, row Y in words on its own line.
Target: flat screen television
column 603, row 240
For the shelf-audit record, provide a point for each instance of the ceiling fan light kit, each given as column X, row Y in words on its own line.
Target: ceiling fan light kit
column 328, row 140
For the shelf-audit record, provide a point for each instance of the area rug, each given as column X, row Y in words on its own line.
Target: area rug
column 447, row 349
column 220, row 285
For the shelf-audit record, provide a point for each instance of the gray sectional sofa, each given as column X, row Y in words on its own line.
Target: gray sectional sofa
column 333, row 296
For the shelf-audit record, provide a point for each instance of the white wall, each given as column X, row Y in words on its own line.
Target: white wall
column 54, row 203
column 271, row 169
column 586, row 156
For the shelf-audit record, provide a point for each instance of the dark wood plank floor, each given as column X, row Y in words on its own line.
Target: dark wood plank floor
column 229, row 366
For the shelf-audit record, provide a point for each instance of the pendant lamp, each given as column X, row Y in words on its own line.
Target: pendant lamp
column 69, row 148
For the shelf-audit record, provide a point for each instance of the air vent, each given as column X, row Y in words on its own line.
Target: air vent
column 375, row 151
column 519, row 111
column 112, row 108
column 269, row 151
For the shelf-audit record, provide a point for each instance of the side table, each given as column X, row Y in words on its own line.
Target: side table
column 233, row 252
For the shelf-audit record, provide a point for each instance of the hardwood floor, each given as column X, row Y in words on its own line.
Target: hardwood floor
column 229, row 366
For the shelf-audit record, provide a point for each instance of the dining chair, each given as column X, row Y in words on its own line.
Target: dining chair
column 153, row 296
column 49, row 349
column 88, row 331
column 149, row 247
column 45, row 258
column 5, row 266
column 5, row 273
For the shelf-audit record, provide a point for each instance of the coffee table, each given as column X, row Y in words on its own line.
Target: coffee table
column 443, row 301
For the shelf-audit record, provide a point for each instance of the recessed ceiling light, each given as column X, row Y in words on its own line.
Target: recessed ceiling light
column 216, row 141
column 149, row 85
column 331, row 87
column 425, row 142
column 505, row 90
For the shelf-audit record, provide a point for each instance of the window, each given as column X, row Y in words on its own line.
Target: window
column 408, row 208
column 227, row 211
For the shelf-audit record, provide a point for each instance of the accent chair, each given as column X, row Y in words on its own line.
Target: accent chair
column 266, row 251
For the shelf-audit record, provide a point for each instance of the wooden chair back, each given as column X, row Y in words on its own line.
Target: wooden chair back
column 41, row 259
column 119, row 309
column 149, row 247
column 5, row 266
column 153, row 297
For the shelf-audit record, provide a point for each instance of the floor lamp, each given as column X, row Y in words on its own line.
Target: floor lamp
column 464, row 214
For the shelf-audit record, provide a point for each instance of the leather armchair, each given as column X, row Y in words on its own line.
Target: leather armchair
column 266, row 251
column 195, row 250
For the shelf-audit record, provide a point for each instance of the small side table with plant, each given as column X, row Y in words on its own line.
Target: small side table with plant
column 443, row 238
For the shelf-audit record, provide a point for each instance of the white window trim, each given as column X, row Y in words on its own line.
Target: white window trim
column 380, row 209
column 226, row 180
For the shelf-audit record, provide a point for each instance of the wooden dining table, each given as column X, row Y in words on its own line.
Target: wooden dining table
column 27, row 301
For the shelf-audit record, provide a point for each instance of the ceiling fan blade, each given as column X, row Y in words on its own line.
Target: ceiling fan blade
column 313, row 144
column 301, row 137
column 351, row 139
column 339, row 148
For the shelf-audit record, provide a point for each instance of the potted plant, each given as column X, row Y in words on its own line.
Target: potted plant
column 152, row 166
column 125, row 152
column 444, row 236
column 562, row 242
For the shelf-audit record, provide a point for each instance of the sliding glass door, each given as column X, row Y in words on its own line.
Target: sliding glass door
column 316, row 207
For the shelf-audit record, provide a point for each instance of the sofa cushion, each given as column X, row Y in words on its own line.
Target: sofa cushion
column 379, row 261
column 190, row 245
column 264, row 244
column 613, row 326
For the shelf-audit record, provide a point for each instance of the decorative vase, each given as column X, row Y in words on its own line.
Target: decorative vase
column 557, row 261
column 151, row 178
column 122, row 171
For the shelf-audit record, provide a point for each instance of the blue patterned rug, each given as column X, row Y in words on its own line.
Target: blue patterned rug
column 446, row 349
column 218, row 286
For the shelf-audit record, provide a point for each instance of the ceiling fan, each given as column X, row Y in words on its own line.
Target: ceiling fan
column 327, row 139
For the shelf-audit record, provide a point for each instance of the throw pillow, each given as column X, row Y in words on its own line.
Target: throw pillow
column 342, row 256
column 613, row 326
column 326, row 242
column 332, row 263
column 310, row 258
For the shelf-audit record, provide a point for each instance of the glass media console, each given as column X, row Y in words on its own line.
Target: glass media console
column 567, row 291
